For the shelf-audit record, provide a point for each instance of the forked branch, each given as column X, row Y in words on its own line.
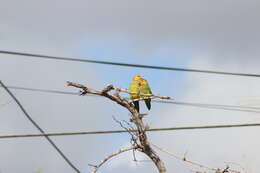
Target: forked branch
column 122, row 150
column 184, row 159
column 143, row 144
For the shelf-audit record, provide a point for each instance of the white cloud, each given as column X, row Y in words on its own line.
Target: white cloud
column 213, row 147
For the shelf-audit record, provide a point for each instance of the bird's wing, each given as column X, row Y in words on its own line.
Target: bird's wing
column 134, row 87
column 145, row 88
column 149, row 91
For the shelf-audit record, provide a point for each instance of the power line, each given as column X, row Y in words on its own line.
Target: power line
column 38, row 127
column 124, row 131
column 200, row 105
column 126, row 64
column 43, row 90
column 214, row 106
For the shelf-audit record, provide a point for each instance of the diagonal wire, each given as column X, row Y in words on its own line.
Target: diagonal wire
column 126, row 64
column 97, row 132
column 39, row 128
column 200, row 105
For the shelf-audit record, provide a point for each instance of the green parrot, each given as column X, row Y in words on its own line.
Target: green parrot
column 140, row 85
column 145, row 89
column 135, row 87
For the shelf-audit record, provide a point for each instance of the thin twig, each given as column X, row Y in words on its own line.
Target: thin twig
column 130, row 131
column 237, row 164
column 96, row 167
column 194, row 163
column 135, row 160
column 141, row 94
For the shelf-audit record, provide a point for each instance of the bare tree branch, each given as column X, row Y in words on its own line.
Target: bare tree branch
column 141, row 94
column 130, row 130
column 122, row 150
column 143, row 145
column 216, row 170
column 111, row 87
column 237, row 164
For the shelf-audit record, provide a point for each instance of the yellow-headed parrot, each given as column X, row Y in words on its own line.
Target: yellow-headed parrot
column 135, row 87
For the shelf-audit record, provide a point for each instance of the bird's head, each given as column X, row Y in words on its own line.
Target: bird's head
column 144, row 82
column 137, row 77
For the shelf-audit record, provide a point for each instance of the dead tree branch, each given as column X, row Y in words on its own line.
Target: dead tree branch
column 143, row 144
column 184, row 159
column 132, row 133
column 130, row 130
column 122, row 150
column 146, row 95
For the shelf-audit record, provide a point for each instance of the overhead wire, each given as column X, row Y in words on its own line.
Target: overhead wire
column 172, row 101
column 127, row 131
column 213, row 106
column 125, row 64
column 39, row 128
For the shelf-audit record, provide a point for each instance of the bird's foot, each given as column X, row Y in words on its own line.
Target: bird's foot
column 82, row 92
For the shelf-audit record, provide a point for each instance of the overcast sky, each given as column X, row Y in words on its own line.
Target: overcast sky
column 212, row 35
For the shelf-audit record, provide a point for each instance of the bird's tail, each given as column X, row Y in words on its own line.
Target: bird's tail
column 136, row 103
column 148, row 103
